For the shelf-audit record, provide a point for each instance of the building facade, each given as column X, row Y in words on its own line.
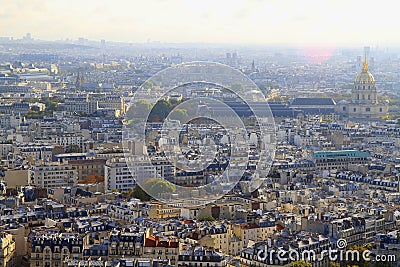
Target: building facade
column 339, row 160
column 364, row 98
column 117, row 174
column 53, row 175
column 7, row 250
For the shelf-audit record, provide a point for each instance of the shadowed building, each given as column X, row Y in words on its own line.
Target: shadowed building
column 314, row 105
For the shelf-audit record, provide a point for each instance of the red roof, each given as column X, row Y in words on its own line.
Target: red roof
column 154, row 241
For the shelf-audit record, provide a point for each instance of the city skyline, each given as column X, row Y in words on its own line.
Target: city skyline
column 199, row 133
column 226, row 22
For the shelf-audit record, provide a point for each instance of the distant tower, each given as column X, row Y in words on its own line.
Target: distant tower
column 234, row 55
column 367, row 53
column 359, row 64
column 232, row 59
column 235, row 59
column 79, row 81
column 253, row 66
column 372, row 63
column 367, row 50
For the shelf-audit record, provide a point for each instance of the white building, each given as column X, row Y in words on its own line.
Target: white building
column 117, row 174
column 53, row 175
column 70, row 139
column 127, row 211
column 35, row 152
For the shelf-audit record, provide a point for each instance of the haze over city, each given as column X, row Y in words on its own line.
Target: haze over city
column 199, row 133
column 208, row 21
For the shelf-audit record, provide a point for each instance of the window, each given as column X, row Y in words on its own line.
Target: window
column 354, row 109
column 368, row 109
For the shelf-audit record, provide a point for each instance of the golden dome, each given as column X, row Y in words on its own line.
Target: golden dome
column 365, row 76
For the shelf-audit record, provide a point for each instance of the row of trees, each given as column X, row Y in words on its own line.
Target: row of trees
column 157, row 113
column 93, row 179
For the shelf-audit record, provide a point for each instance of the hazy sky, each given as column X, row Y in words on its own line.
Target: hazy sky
column 218, row 21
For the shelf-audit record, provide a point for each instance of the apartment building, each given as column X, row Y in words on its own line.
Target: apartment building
column 7, row 250
column 340, row 159
column 200, row 257
column 53, row 175
column 163, row 248
column 51, row 250
column 117, row 174
column 86, row 167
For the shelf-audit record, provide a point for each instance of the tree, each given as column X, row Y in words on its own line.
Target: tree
column 73, row 149
column 138, row 193
column 51, row 103
column 360, row 262
column 174, row 101
column 237, row 87
column 300, row 264
column 382, row 264
column 160, row 111
column 156, row 186
column 139, row 110
column 179, row 114
column 93, row 178
column 207, row 219
column 148, row 85
column 35, row 109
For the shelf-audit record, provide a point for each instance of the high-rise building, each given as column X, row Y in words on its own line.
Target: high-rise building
column 359, row 64
column 367, row 50
column 28, row 37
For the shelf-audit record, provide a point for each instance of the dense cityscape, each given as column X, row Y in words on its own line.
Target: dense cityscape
column 69, row 178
